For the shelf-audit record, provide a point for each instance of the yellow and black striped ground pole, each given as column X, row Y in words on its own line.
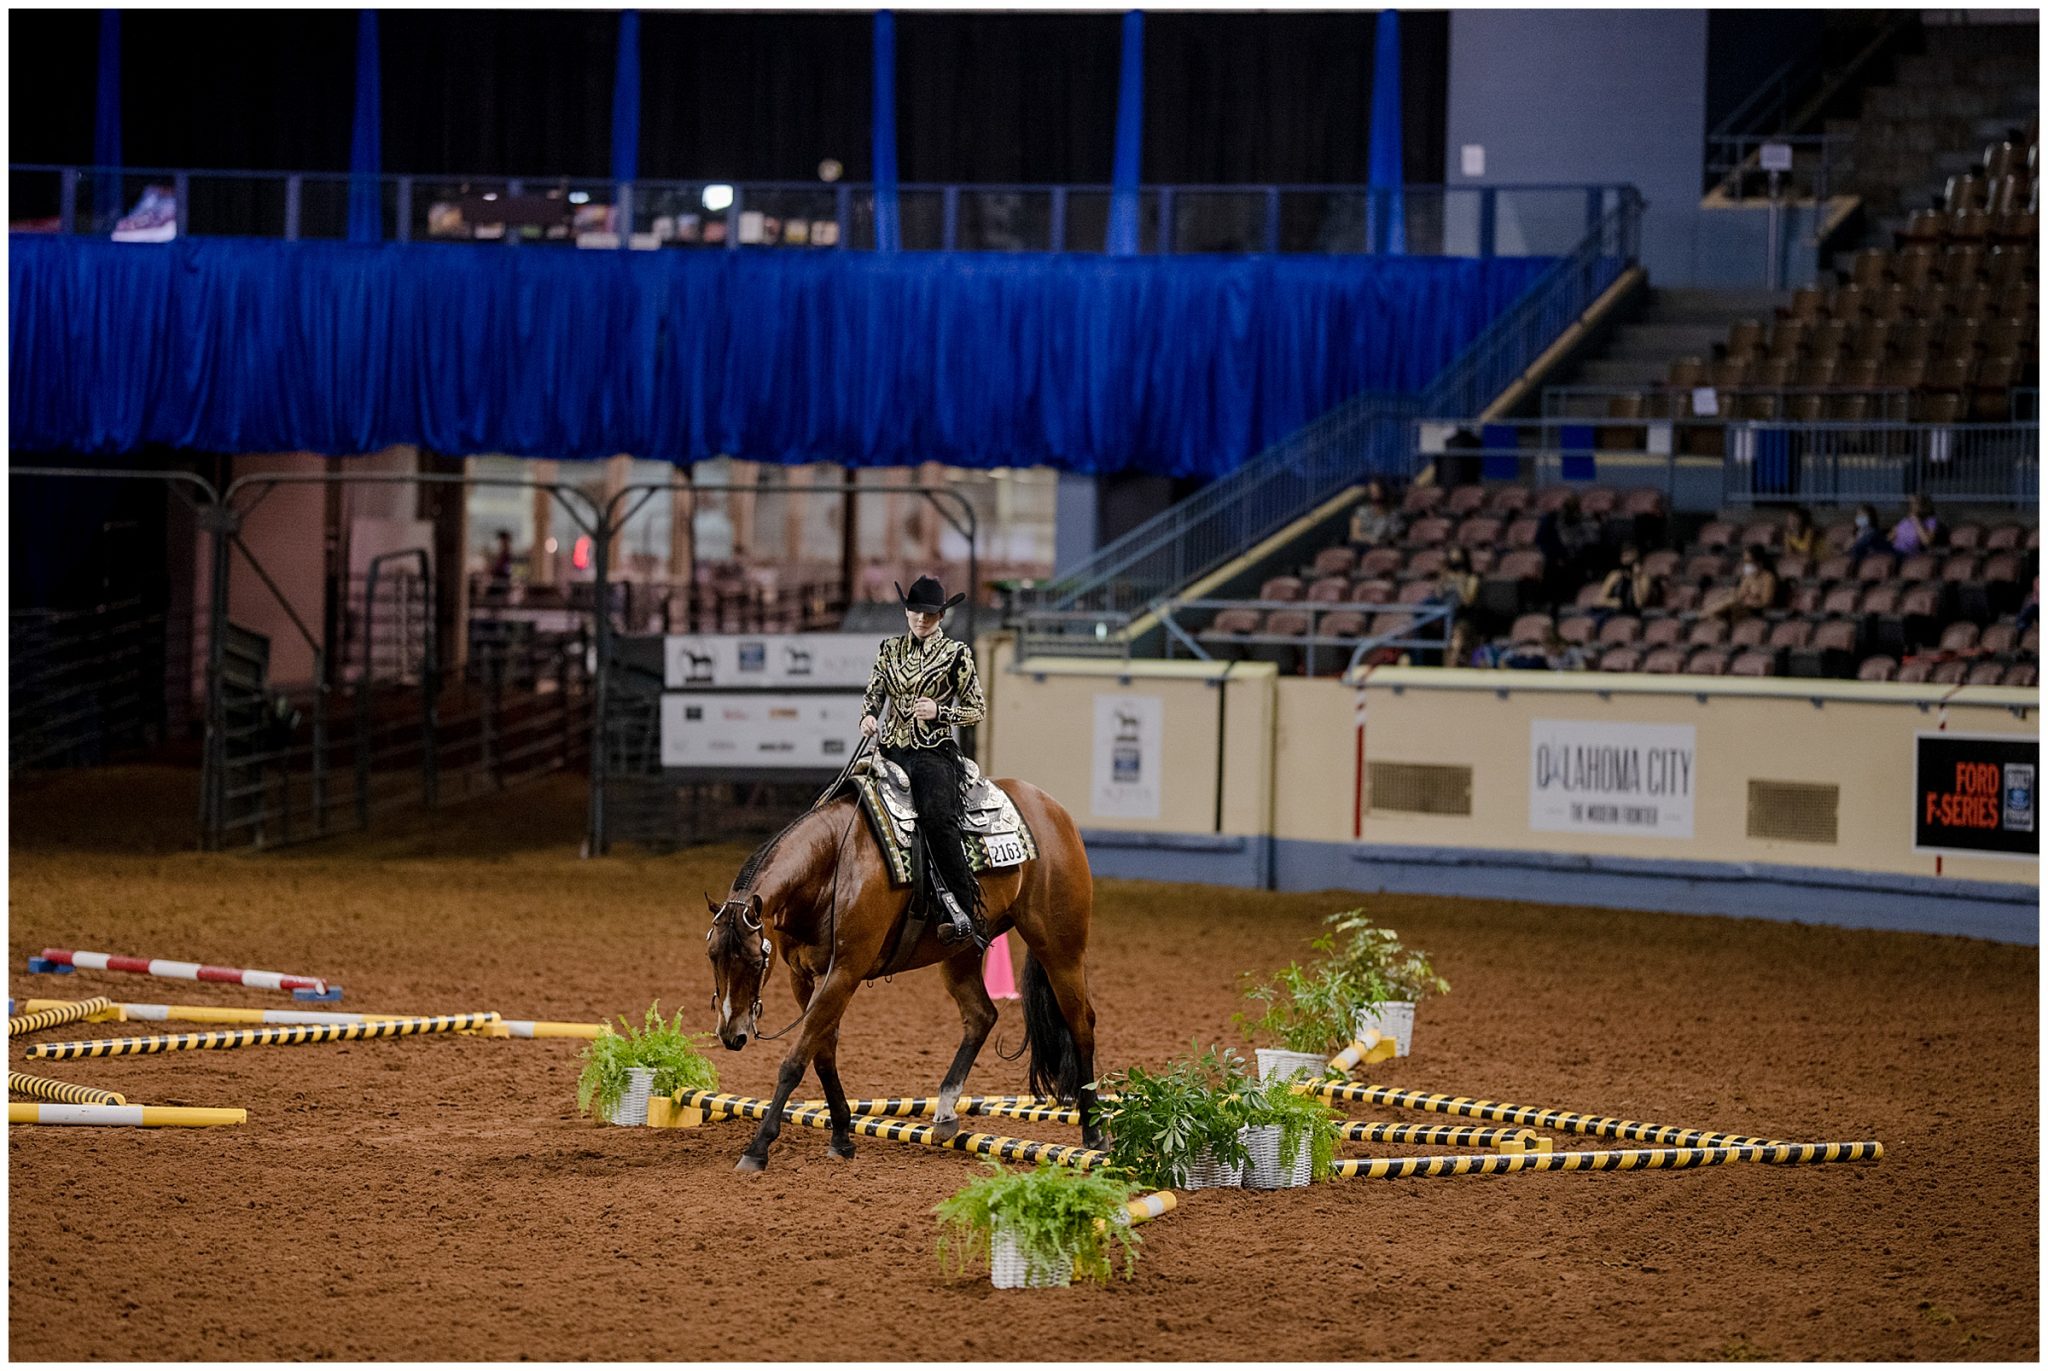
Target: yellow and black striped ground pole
column 259, row 1037
column 1008, row 1149
column 925, row 1106
column 62, row 1092
column 1562, row 1120
column 1641, row 1159
column 56, row 1014
column 1445, row 1135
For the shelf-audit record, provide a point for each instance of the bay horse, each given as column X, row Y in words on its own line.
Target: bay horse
column 817, row 896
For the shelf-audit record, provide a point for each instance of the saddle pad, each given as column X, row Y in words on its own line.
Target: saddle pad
column 996, row 833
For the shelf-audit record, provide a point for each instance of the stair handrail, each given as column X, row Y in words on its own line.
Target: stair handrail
column 1501, row 352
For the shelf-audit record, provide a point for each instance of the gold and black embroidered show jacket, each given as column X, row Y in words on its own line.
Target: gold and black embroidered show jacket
column 906, row 671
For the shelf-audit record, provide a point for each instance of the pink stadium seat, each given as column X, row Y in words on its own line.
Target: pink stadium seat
column 1479, row 531
column 1837, row 635
column 1292, row 622
column 1508, row 501
column 1415, row 592
column 1621, row 659
column 1235, row 621
column 1681, row 599
column 1840, row 600
column 1705, row 566
column 1421, row 500
column 1663, row 562
column 1599, row 502
column 1876, row 567
column 1763, row 531
column 2004, row 538
column 1708, row 661
column 1949, row 672
column 2021, row 674
column 1959, row 637
column 1335, row 561
column 1750, row 632
column 1985, row 673
column 1665, row 661
column 1281, row 588
column 1525, row 564
column 1717, row 534
column 2030, row 641
column 1344, row 624
column 1921, row 568
column 2003, row 566
column 1663, row 632
column 1588, row 596
column 1643, row 503
column 1378, row 590
column 1877, row 669
column 1886, row 599
column 1966, row 538
column 1464, row 501
column 1530, row 628
column 1577, row 629
column 1621, row 631
column 1999, row 639
column 1837, row 568
column 1790, row 568
column 1964, row 566
column 1391, row 623
column 1430, row 532
column 1914, row 672
column 1428, row 562
column 1754, row 664
column 1806, row 599
column 1381, row 561
column 1329, row 590
column 1792, row 633
column 1522, row 533
column 1708, row 633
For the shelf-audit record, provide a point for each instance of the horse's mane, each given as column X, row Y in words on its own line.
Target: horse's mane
column 752, row 866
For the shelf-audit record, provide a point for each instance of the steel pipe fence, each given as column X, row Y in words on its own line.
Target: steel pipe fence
column 1413, row 633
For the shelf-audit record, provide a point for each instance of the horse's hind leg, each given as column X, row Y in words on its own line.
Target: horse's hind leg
column 1069, row 986
column 977, row 1017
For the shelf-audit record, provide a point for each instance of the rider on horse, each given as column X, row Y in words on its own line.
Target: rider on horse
column 931, row 681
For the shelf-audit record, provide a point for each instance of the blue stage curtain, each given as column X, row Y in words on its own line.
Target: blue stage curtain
column 1179, row 366
column 365, row 194
column 888, row 223
column 1384, row 173
column 1130, row 130
column 626, row 103
column 106, row 125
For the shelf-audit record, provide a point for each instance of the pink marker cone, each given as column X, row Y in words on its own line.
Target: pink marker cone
column 995, row 969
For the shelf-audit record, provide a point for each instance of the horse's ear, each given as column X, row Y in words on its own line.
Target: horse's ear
column 755, row 900
column 710, row 903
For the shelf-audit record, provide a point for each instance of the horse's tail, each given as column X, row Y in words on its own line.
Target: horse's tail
column 1055, row 1057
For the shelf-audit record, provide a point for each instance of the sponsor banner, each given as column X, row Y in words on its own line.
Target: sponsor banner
column 1630, row 779
column 758, row 729
column 1127, row 757
column 772, row 660
column 1975, row 793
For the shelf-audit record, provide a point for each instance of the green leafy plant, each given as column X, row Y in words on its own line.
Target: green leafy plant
column 1301, row 1119
column 1159, row 1124
column 1307, row 1009
column 1056, row 1214
column 1373, row 958
column 672, row 1053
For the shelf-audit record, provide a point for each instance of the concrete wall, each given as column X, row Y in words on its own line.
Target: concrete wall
column 1297, row 811
column 1579, row 96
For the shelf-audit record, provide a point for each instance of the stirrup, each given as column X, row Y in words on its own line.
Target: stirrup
column 960, row 925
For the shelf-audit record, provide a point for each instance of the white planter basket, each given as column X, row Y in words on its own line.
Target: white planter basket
column 1008, row 1270
column 1265, row 1171
column 1207, row 1173
column 1278, row 1064
column 1394, row 1019
column 631, row 1110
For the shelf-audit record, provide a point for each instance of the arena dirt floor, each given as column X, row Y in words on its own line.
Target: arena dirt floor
column 440, row 1199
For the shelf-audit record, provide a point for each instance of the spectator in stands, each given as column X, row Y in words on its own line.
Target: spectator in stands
column 1457, row 584
column 1801, row 538
column 498, row 589
column 1629, row 588
column 1467, row 648
column 1376, row 523
column 1458, row 466
column 1564, row 536
column 1756, row 592
column 2030, row 612
column 1919, row 531
column 1869, row 538
column 1560, row 655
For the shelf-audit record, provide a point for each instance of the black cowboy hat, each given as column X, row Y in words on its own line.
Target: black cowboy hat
column 927, row 596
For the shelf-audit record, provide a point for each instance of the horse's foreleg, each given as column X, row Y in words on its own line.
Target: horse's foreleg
column 977, row 1017
column 821, row 1022
column 827, row 1064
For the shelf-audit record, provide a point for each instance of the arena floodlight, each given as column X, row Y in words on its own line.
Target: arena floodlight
column 717, row 197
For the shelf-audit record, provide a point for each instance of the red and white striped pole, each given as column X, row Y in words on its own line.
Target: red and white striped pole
column 64, row 960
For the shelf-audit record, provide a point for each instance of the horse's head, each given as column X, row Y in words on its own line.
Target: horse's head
column 741, row 954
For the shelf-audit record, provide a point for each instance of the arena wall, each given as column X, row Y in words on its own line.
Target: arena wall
column 1799, row 794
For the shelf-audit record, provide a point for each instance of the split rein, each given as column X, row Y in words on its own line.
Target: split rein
column 750, row 924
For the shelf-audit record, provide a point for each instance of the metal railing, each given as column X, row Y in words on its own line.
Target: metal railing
column 1469, row 221
column 1735, row 165
column 1365, row 435
column 1888, row 403
column 1847, row 464
column 1349, row 648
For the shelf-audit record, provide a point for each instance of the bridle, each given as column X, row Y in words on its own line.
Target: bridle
column 749, row 924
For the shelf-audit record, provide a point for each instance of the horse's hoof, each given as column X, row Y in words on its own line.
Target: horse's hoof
column 945, row 1130
column 1091, row 1139
column 750, row 1164
column 842, row 1151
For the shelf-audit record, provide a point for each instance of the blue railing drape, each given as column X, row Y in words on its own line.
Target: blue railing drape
column 626, row 102
column 1130, row 125
column 365, row 151
column 1384, row 175
column 888, row 223
column 1178, row 366
column 106, row 124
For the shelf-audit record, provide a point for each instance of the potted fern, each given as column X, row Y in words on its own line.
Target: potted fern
column 1310, row 1010
column 1394, row 979
column 1177, row 1128
column 622, row 1071
column 1039, row 1228
column 1290, row 1139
